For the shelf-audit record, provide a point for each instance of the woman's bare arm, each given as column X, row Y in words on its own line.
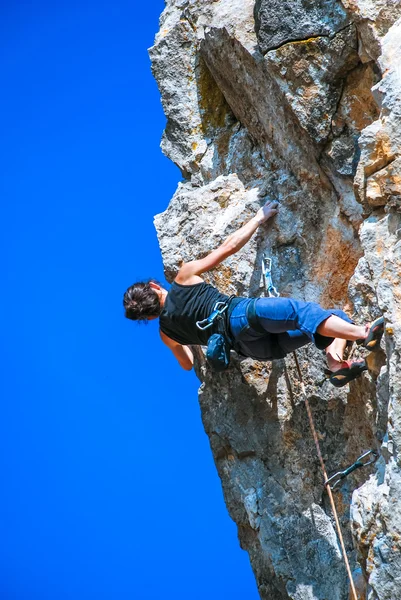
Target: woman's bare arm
column 182, row 353
column 189, row 272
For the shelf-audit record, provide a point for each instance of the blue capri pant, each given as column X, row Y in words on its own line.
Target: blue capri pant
column 289, row 324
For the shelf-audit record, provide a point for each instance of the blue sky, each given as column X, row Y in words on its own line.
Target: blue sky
column 109, row 488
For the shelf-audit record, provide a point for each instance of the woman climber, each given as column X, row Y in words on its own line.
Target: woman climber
column 263, row 328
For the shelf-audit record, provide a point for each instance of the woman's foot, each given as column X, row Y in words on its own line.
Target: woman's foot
column 347, row 371
column 374, row 333
column 335, row 354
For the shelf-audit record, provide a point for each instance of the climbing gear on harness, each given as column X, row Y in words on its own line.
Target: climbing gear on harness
column 374, row 335
column 326, row 479
column 219, row 344
column 350, row 370
column 219, row 309
column 360, row 462
column 218, row 352
column 267, row 276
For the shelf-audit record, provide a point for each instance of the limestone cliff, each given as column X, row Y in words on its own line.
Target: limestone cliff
column 297, row 101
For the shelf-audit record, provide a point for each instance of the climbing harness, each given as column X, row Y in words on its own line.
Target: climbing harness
column 267, row 277
column 360, row 462
column 271, row 290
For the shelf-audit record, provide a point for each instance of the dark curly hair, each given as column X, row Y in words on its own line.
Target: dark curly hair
column 141, row 301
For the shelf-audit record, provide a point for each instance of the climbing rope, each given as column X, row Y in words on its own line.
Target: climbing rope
column 272, row 292
column 326, row 479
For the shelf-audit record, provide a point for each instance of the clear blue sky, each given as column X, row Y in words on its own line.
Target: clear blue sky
column 109, row 491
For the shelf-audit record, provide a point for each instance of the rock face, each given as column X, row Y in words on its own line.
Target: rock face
column 297, row 101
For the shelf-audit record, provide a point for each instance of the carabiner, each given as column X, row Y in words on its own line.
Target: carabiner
column 358, row 464
column 217, row 312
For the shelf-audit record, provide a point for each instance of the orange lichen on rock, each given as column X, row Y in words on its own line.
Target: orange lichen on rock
column 335, row 265
column 212, row 104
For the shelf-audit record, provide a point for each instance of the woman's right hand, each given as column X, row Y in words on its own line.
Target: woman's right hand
column 267, row 211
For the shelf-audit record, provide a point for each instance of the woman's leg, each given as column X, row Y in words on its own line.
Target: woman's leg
column 292, row 340
column 342, row 331
column 279, row 315
column 326, row 328
column 336, row 327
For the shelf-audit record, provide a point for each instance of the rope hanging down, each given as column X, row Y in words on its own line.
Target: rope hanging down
column 326, row 479
column 272, row 292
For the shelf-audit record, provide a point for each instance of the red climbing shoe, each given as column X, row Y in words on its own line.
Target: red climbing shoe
column 374, row 334
column 349, row 370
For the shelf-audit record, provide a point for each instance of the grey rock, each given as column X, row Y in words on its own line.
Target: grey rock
column 295, row 123
column 280, row 22
column 342, row 152
column 376, row 509
column 374, row 18
column 311, row 75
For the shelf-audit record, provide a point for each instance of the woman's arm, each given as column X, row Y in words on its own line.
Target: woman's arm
column 189, row 272
column 182, row 353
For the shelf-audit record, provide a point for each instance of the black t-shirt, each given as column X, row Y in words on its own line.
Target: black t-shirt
column 184, row 306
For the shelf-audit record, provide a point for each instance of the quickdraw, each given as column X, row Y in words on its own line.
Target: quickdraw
column 267, row 277
column 218, row 310
column 360, row 462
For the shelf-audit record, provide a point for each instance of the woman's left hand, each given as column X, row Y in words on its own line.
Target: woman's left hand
column 267, row 211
